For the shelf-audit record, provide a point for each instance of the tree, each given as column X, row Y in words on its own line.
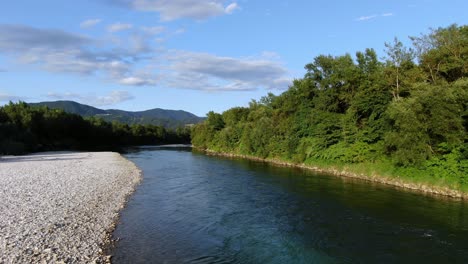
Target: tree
column 399, row 59
column 215, row 120
column 443, row 53
column 430, row 117
column 336, row 80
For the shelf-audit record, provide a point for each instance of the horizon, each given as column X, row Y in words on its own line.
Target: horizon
column 108, row 109
column 207, row 56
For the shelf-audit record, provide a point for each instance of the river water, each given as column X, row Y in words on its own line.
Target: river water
column 193, row 208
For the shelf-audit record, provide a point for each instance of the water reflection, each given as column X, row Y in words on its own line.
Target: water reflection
column 192, row 208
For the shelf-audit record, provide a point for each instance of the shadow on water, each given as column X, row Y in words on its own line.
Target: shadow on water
column 176, row 147
column 192, row 208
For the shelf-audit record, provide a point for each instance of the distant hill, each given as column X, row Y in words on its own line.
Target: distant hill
column 157, row 116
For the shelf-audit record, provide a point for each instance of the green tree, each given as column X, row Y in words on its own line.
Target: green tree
column 443, row 53
column 399, row 62
column 214, row 120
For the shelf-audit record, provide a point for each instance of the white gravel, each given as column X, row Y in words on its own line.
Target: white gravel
column 59, row 207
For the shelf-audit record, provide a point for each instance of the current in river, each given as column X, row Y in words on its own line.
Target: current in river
column 194, row 208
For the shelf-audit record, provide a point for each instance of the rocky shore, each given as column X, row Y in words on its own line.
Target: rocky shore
column 60, row 207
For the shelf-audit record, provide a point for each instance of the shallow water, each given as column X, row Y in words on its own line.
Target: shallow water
column 193, row 208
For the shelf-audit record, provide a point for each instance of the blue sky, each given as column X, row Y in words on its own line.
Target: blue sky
column 193, row 55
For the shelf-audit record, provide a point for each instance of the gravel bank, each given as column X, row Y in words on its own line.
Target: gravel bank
column 58, row 207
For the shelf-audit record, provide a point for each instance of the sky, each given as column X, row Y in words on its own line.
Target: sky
column 192, row 55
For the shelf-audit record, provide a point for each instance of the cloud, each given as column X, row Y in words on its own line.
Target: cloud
column 114, row 97
column 231, row 8
column 59, row 51
column 137, row 81
column 153, row 30
column 19, row 38
column 203, row 71
column 4, row 97
column 177, row 9
column 131, row 60
column 364, row 18
column 116, row 27
column 90, row 23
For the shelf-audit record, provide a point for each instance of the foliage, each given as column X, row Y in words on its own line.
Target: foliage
column 400, row 115
column 24, row 128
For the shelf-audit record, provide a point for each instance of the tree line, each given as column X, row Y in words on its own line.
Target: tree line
column 407, row 112
column 24, row 129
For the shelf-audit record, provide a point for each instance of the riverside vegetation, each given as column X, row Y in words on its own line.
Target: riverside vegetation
column 403, row 117
column 24, row 128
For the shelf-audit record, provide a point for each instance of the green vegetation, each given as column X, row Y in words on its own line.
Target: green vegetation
column 406, row 116
column 24, row 128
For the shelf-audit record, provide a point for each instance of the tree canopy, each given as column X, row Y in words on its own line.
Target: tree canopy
column 409, row 109
column 24, row 128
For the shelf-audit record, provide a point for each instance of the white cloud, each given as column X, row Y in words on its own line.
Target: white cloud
column 114, row 97
column 116, row 27
column 177, row 9
column 203, row 71
column 90, row 23
column 58, row 51
column 231, row 8
column 153, row 30
column 137, row 81
column 131, row 60
column 364, row 18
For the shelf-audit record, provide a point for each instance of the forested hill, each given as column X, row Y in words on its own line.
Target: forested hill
column 404, row 115
column 25, row 128
column 157, row 116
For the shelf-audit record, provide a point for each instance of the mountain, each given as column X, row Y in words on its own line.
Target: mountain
column 72, row 107
column 156, row 116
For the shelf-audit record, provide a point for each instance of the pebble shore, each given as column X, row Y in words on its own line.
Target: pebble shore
column 59, row 207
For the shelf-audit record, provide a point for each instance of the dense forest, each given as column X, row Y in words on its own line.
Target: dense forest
column 24, row 128
column 405, row 115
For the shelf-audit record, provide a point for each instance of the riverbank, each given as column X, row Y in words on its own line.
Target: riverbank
column 60, row 207
column 348, row 171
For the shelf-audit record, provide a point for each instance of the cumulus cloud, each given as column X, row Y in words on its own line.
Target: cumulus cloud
column 90, row 23
column 203, row 71
column 59, row 51
column 116, row 27
column 177, row 9
column 114, row 97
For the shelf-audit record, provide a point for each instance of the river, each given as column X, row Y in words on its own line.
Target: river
column 193, row 208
